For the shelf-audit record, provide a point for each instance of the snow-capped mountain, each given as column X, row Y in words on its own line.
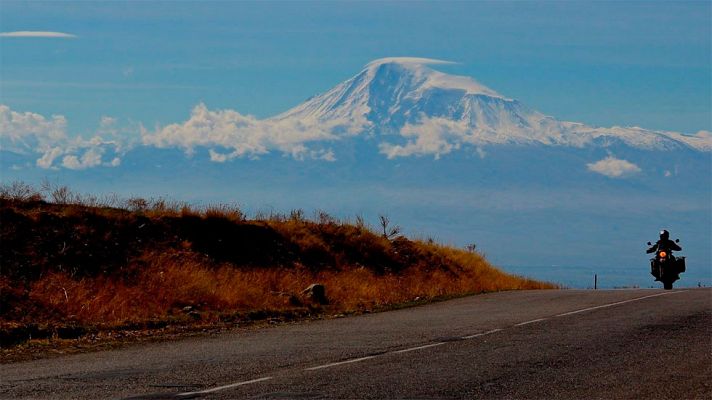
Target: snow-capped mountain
column 400, row 107
column 406, row 97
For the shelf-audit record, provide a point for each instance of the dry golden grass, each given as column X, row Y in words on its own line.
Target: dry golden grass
column 72, row 259
column 170, row 282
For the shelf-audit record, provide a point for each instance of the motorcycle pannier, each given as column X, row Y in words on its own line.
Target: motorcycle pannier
column 680, row 264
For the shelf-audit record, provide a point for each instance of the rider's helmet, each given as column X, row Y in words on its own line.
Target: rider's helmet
column 664, row 235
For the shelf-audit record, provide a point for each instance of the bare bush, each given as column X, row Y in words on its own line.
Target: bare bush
column 60, row 194
column 360, row 222
column 388, row 232
column 19, row 191
column 137, row 204
column 63, row 195
column 297, row 215
column 325, row 218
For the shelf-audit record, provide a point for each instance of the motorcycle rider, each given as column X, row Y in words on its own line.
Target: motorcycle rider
column 664, row 244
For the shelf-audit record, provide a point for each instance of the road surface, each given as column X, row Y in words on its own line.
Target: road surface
column 556, row 344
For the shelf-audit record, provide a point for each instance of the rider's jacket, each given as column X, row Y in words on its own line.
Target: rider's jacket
column 664, row 244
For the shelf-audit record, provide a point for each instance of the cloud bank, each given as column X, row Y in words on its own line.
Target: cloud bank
column 37, row 34
column 227, row 134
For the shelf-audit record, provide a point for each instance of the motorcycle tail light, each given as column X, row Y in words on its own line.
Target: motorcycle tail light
column 663, row 254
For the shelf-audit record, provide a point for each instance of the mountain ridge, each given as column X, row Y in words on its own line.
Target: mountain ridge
column 402, row 96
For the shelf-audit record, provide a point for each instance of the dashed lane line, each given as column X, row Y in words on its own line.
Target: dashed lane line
column 353, row 360
column 419, row 347
column 219, row 388
column 531, row 322
column 481, row 334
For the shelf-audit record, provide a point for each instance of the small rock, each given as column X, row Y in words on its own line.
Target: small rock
column 187, row 309
column 317, row 293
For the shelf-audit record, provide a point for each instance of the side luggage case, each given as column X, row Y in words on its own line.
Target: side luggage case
column 680, row 264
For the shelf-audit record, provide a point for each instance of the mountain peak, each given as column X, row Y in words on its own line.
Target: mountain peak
column 388, row 86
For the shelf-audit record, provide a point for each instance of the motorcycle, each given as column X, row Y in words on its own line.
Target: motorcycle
column 665, row 267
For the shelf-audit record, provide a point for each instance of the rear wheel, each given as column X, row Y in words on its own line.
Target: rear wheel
column 667, row 285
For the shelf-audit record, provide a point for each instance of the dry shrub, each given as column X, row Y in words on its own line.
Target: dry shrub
column 188, row 211
column 172, row 281
column 19, row 191
column 227, row 211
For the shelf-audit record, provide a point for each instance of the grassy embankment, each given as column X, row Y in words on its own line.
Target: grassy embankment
column 74, row 264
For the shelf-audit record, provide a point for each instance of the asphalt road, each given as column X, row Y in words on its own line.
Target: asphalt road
column 558, row 344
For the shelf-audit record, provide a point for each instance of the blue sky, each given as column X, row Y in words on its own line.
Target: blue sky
column 602, row 63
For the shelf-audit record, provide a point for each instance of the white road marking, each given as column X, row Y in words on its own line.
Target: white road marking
column 530, row 322
column 481, row 334
column 219, row 388
column 339, row 363
column 617, row 303
column 419, row 347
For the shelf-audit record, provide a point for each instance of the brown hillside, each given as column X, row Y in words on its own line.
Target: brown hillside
column 87, row 264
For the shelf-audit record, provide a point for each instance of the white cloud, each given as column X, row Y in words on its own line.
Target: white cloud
column 614, row 168
column 37, row 34
column 218, row 157
column 91, row 158
column 408, row 60
column 71, row 162
column 32, row 133
column 241, row 135
column 327, row 155
column 48, row 157
column 20, row 130
column 431, row 136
